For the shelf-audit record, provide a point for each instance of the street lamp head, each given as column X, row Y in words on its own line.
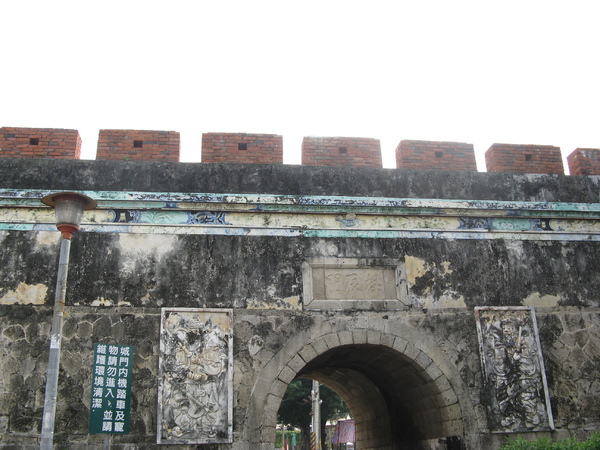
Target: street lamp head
column 68, row 208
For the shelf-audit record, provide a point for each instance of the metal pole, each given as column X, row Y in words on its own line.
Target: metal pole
column 55, row 342
column 316, row 413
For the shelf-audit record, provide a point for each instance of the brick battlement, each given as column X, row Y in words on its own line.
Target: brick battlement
column 584, row 161
column 40, row 143
column 512, row 158
column 138, row 145
column 435, row 155
column 249, row 148
column 341, row 151
column 242, row 148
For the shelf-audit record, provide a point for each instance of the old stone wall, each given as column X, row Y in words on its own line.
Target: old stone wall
column 418, row 357
column 116, row 298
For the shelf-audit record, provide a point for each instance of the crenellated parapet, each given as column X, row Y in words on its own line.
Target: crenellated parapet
column 584, row 161
column 253, row 148
column 432, row 155
column 55, row 143
column 242, row 148
column 138, row 145
column 341, row 151
column 512, row 158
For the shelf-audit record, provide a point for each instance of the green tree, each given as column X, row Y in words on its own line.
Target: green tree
column 295, row 408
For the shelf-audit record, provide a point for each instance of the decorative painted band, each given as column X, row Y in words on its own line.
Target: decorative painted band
column 240, row 214
column 290, row 203
column 363, row 234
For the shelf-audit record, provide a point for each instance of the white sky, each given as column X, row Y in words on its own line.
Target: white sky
column 522, row 72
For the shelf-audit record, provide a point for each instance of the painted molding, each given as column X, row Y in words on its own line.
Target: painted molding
column 310, row 216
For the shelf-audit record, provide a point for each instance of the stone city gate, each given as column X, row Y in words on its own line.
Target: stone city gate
column 398, row 388
column 375, row 282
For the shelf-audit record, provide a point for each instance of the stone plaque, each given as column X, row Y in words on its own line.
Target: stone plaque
column 358, row 284
column 349, row 283
column 516, row 390
column 195, row 369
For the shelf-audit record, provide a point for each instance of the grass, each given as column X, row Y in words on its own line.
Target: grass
column 592, row 443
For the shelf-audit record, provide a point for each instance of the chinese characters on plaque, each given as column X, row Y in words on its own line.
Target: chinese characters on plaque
column 111, row 389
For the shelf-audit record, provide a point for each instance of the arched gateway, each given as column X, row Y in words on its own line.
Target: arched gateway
column 399, row 385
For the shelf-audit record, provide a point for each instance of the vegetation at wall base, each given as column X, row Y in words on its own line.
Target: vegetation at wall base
column 593, row 443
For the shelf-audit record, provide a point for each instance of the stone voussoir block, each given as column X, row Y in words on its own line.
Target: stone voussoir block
column 453, row 427
column 345, row 337
column 332, row 340
column 287, row 375
column 433, row 371
column 272, row 404
column 296, row 363
column 386, row 340
column 278, row 388
column 373, row 337
column 451, row 412
column 359, row 336
column 449, row 396
column 308, row 352
column 400, row 344
column 320, row 346
column 423, row 360
column 411, row 351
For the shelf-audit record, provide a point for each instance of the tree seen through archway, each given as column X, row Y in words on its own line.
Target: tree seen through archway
column 295, row 409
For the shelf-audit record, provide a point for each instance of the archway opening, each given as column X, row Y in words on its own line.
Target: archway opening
column 297, row 408
column 395, row 402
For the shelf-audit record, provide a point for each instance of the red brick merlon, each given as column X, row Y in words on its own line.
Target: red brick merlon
column 138, row 145
column 39, row 143
column 584, row 161
column 242, row 148
column 514, row 158
column 435, row 155
column 341, row 151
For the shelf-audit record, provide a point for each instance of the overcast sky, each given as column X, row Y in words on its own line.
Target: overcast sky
column 523, row 72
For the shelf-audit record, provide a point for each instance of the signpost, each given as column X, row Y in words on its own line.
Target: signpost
column 111, row 389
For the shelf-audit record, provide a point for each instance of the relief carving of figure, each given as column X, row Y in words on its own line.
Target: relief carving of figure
column 513, row 371
column 194, row 377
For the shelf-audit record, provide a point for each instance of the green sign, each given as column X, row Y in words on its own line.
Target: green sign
column 111, row 389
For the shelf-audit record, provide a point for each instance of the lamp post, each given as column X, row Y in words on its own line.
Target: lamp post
column 68, row 208
column 316, row 413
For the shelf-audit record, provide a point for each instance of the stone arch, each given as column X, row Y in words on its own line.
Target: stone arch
column 392, row 376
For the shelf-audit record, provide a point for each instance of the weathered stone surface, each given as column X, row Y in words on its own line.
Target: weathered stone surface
column 293, row 180
column 423, row 360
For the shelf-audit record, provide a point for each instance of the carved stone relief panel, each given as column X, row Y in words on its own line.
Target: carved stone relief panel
column 195, row 376
column 516, row 389
column 352, row 283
